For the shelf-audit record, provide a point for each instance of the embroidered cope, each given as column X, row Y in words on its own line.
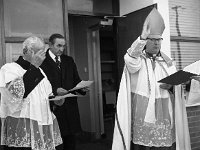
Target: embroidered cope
column 146, row 114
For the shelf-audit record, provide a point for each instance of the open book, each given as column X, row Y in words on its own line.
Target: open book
column 178, row 77
column 184, row 75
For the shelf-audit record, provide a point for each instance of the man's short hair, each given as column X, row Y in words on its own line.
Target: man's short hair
column 55, row 36
column 33, row 42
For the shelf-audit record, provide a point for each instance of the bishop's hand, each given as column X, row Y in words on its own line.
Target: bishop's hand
column 165, row 86
column 146, row 30
column 197, row 78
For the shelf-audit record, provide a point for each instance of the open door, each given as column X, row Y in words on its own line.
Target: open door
column 128, row 29
column 96, row 104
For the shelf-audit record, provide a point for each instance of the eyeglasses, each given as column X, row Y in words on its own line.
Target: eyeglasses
column 155, row 40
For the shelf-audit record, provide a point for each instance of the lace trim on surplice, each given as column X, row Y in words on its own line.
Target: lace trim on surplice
column 27, row 133
column 158, row 134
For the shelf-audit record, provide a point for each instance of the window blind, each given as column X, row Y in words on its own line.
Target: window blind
column 184, row 31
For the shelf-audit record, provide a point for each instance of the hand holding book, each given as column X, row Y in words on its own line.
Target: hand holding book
column 63, row 93
column 84, row 85
column 197, row 78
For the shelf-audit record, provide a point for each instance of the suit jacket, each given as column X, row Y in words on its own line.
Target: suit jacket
column 66, row 77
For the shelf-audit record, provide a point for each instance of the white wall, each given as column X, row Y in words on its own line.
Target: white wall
column 128, row 6
column 163, row 8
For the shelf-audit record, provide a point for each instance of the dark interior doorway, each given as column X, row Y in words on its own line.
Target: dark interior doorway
column 109, row 76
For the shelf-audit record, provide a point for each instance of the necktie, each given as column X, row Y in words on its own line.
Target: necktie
column 57, row 61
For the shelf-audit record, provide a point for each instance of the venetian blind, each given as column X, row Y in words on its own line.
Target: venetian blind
column 184, row 31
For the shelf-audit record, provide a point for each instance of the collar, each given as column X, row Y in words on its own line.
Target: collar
column 151, row 56
column 53, row 56
column 23, row 63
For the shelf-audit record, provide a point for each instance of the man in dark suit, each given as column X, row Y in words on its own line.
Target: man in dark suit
column 62, row 73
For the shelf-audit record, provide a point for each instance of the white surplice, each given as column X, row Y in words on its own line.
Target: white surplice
column 193, row 97
column 26, row 122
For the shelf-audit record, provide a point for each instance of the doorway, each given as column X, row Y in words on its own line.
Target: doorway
column 101, row 38
column 92, row 47
column 108, row 56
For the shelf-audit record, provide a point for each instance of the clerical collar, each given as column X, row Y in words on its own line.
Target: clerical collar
column 151, row 56
column 23, row 63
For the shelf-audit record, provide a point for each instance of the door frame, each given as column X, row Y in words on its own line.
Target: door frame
column 94, row 65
